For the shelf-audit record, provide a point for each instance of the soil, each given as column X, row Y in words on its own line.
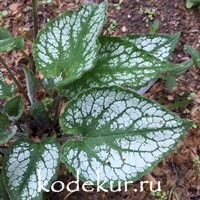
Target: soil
column 178, row 173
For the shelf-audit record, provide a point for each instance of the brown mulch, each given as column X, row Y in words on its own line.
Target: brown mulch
column 179, row 176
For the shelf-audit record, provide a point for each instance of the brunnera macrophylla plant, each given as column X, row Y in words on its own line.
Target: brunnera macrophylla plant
column 106, row 126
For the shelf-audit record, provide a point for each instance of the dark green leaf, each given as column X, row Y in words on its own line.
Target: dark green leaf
column 4, row 123
column 5, row 89
column 37, row 110
column 3, row 192
column 14, row 108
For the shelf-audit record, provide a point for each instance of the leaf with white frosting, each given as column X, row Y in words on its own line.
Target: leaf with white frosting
column 122, row 135
column 159, row 45
column 67, row 47
column 28, row 165
column 119, row 63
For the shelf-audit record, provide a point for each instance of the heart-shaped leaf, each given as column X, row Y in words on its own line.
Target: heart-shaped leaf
column 28, row 166
column 14, row 108
column 7, row 43
column 119, row 63
column 67, row 47
column 122, row 135
column 5, row 89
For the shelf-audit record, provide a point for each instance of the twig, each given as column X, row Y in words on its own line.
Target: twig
column 14, row 79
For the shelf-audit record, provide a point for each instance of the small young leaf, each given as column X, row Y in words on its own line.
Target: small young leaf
column 119, row 63
column 179, row 104
column 122, row 135
column 7, row 134
column 7, row 43
column 37, row 110
column 4, row 34
column 5, row 89
column 194, row 53
column 3, row 193
column 50, row 84
column 171, row 81
column 28, row 166
column 189, row 4
column 182, row 69
column 154, row 27
column 67, row 47
column 14, row 108
column 32, row 83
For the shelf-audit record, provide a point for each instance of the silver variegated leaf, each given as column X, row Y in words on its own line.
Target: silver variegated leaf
column 28, row 166
column 119, row 63
column 67, row 47
column 121, row 135
column 159, row 45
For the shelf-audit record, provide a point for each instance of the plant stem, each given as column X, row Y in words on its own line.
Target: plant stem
column 18, row 126
column 26, row 56
column 15, row 80
column 57, row 111
column 35, row 17
column 35, row 21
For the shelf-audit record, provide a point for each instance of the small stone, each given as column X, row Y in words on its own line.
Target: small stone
column 129, row 16
column 124, row 29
